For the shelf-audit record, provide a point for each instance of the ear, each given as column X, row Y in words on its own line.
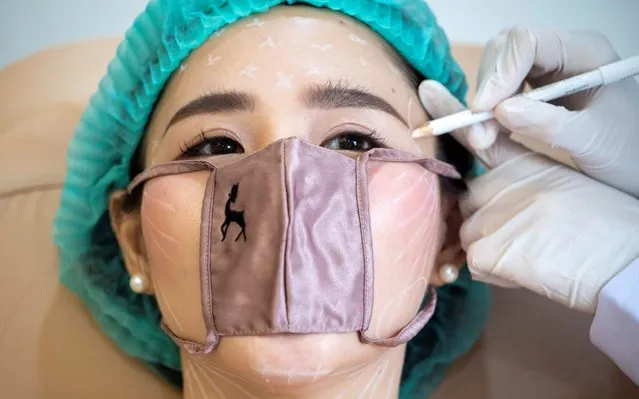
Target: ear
column 451, row 251
column 128, row 230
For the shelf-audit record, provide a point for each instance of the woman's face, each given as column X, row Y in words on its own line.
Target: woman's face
column 314, row 74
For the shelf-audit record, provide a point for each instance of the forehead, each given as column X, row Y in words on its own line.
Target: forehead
column 287, row 47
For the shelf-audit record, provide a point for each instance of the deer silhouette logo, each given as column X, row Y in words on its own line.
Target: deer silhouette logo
column 233, row 216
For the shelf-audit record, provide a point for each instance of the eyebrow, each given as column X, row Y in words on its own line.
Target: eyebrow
column 211, row 103
column 323, row 96
column 340, row 95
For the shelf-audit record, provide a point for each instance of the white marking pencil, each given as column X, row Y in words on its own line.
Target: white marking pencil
column 601, row 76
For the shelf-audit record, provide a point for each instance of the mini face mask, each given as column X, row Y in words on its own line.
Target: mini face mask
column 286, row 243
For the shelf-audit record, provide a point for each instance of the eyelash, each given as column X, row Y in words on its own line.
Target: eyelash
column 375, row 138
column 201, row 138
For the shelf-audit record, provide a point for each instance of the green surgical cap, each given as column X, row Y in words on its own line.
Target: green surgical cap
column 106, row 138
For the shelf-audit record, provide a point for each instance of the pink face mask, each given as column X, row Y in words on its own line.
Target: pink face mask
column 286, row 242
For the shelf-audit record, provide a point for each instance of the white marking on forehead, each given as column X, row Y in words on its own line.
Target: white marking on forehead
column 284, row 81
column 393, row 68
column 218, row 33
column 322, row 47
column 249, row 71
column 356, row 38
column 268, row 42
column 183, row 67
column 364, row 62
column 303, row 21
column 212, row 60
column 256, row 23
column 312, row 70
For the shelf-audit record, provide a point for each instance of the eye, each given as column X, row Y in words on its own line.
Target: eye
column 210, row 146
column 354, row 141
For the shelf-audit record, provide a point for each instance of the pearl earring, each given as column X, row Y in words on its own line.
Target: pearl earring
column 448, row 273
column 138, row 283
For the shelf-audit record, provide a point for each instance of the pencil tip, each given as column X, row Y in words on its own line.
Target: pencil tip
column 422, row 131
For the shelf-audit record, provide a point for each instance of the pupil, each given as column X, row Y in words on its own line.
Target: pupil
column 224, row 146
column 349, row 143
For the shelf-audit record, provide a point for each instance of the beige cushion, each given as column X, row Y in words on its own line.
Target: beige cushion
column 51, row 348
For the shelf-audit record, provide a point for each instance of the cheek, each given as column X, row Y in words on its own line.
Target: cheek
column 171, row 214
column 406, row 227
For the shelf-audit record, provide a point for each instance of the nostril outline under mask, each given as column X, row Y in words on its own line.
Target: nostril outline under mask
column 286, row 244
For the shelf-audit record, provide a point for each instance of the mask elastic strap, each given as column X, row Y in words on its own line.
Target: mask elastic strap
column 212, row 338
column 423, row 316
column 431, row 164
column 169, row 168
column 181, row 167
column 410, row 330
column 192, row 347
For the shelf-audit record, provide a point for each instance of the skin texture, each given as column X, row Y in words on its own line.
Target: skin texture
column 276, row 58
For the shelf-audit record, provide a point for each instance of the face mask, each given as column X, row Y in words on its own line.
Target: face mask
column 286, row 243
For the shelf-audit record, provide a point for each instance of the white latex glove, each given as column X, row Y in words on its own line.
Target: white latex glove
column 534, row 223
column 598, row 128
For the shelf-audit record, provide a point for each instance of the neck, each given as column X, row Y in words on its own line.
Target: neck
column 376, row 380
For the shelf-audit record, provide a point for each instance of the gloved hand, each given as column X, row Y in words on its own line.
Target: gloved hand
column 534, row 223
column 598, row 128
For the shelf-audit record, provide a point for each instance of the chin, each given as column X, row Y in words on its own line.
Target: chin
column 296, row 359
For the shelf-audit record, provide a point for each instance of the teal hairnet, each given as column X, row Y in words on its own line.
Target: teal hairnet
column 112, row 126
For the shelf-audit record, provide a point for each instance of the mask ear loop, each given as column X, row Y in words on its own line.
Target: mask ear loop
column 180, row 167
column 411, row 329
column 424, row 315
column 433, row 165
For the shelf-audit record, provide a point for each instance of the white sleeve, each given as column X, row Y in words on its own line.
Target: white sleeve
column 615, row 328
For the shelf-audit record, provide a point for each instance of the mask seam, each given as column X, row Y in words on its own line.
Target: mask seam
column 285, row 258
column 206, row 258
column 359, row 171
